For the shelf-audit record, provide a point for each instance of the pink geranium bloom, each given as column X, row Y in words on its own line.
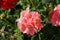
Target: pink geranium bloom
column 55, row 16
column 29, row 22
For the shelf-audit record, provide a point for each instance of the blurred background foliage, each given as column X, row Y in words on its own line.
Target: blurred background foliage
column 8, row 26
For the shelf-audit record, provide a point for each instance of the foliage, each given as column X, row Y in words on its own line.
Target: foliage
column 10, row 31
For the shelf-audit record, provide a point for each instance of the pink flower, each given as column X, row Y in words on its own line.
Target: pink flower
column 29, row 22
column 55, row 16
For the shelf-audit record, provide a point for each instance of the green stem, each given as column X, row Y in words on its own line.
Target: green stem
column 33, row 5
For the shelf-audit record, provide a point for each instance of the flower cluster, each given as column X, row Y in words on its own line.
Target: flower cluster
column 29, row 22
column 55, row 16
column 6, row 4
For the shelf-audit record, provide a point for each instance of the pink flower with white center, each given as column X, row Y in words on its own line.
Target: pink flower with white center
column 55, row 16
column 29, row 22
